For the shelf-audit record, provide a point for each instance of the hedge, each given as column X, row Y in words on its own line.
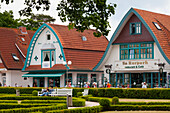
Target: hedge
column 148, row 93
column 76, row 103
column 32, row 98
column 14, row 105
column 43, row 109
column 94, row 109
column 138, row 107
column 8, row 101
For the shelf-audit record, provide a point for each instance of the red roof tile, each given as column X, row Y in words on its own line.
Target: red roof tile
column 72, row 38
column 163, row 36
column 38, row 67
column 8, row 38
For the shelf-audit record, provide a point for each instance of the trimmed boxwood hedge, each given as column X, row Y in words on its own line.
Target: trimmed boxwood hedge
column 76, row 103
column 149, row 93
column 94, row 109
column 138, row 107
column 14, row 105
column 43, row 109
column 8, row 101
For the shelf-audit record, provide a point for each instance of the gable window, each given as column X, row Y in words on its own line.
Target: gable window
column 15, row 57
column 48, row 58
column 48, row 37
column 135, row 28
column 136, row 51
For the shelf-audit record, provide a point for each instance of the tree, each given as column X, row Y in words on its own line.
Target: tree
column 31, row 23
column 81, row 14
column 7, row 20
column 35, row 21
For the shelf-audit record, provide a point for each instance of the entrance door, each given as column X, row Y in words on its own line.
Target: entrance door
column 38, row 82
column 55, row 82
column 136, row 80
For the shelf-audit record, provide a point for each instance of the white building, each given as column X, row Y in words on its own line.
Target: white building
column 13, row 48
column 52, row 45
column 138, row 51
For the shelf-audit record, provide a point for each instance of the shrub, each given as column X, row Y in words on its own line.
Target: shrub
column 115, row 100
column 105, row 102
column 78, row 103
column 94, row 109
column 79, row 94
column 34, row 93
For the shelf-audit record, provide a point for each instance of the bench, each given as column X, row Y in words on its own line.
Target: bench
column 43, row 90
column 62, row 92
column 86, row 92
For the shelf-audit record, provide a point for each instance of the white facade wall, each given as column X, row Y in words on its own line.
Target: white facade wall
column 113, row 57
column 42, row 39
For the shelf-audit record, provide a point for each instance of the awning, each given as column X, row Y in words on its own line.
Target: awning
column 43, row 75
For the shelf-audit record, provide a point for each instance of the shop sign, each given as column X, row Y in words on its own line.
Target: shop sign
column 137, row 64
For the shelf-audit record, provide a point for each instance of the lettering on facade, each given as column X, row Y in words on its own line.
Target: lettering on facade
column 135, row 63
column 134, row 66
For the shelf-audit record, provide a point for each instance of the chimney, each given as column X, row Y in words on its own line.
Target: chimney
column 23, row 30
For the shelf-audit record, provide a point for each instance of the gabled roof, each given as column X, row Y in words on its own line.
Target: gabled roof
column 9, row 38
column 73, row 39
column 83, row 54
column 161, row 37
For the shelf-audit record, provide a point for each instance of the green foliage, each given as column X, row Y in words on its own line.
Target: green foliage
column 43, row 101
column 34, row 93
column 76, row 90
column 95, row 109
column 8, row 101
column 139, row 107
column 43, row 109
column 104, row 102
column 79, row 103
column 81, row 14
column 31, row 98
column 79, row 94
column 115, row 100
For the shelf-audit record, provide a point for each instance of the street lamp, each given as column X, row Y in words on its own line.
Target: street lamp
column 67, row 63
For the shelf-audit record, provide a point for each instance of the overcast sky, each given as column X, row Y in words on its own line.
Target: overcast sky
column 158, row 6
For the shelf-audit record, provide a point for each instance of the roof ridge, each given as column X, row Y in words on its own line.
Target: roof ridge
column 66, row 26
column 151, row 12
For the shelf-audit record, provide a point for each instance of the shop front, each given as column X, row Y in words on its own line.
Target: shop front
column 135, row 80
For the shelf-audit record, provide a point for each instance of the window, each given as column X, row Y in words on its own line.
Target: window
column 48, row 37
column 135, row 28
column 46, row 55
column 136, row 51
column 157, row 26
column 15, row 57
column 48, row 58
column 84, row 38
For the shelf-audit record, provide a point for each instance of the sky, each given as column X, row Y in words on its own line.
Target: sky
column 123, row 6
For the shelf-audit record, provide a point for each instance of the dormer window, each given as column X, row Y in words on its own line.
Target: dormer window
column 135, row 28
column 15, row 57
column 84, row 38
column 48, row 37
column 157, row 26
column 23, row 39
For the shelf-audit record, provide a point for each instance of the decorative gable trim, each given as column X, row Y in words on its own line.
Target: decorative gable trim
column 118, row 30
column 33, row 42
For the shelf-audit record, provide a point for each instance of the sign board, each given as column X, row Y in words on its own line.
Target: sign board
column 146, row 64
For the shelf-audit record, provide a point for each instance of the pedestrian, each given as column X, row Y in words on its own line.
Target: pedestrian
column 108, row 85
column 144, row 85
column 0, row 84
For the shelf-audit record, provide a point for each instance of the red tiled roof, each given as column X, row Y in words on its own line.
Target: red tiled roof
column 2, row 65
column 8, row 38
column 72, row 38
column 83, row 59
column 83, row 54
column 163, row 36
column 38, row 67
